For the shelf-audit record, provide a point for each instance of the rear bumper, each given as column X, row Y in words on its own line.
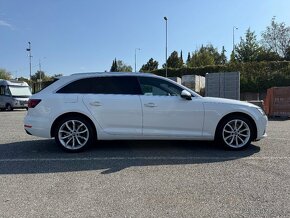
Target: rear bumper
column 37, row 126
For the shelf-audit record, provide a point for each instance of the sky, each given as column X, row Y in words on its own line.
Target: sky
column 73, row 36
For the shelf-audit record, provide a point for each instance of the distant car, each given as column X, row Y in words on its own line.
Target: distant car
column 14, row 94
column 79, row 109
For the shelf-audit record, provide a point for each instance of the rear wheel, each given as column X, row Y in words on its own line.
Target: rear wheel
column 235, row 133
column 74, row 134
column 9, row 107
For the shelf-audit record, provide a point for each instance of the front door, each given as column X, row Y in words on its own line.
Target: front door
column 166, row 114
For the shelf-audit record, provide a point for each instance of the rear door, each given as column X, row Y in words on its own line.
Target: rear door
column 115, row 104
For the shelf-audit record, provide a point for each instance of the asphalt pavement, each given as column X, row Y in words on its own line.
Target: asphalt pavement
column 143, row 178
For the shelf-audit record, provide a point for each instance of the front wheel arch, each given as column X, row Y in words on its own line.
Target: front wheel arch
column 237, row 114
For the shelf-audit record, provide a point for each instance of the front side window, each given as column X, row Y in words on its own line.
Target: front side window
column 156, row 86
column 126, row 85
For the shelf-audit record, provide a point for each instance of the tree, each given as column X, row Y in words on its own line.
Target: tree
column 276, row 38
column 23, row 79
column 206, row 55
column 188, row 59
column 114, row 67
column 122, row 67
column 149, row 66
column 248, row 49
column 119, row 66
column 40, row 75
column 267, row 55
column 181, row 59
column 174, row 61
column 287, row 57
column 57, row 75
column 223, row 56
column 4, row 74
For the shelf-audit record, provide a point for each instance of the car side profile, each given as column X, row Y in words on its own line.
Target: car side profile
column 80, row 109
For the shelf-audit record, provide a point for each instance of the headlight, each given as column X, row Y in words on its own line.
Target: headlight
column 261, row 111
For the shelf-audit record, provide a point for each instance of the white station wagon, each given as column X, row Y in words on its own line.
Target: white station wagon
column 80, row 109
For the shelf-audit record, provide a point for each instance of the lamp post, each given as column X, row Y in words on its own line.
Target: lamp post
column 165, row 18
column 136, row 57
column 29, row 50
column 234, row 28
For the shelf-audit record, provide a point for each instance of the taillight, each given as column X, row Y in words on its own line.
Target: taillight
column 33, row 102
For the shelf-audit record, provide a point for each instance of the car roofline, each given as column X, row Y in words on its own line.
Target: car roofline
column 110, row 73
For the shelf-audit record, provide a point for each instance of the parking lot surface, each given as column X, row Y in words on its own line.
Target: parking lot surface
column 143, row 178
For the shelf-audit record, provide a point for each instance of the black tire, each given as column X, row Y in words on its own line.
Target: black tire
column 74, row 134
column 9, row 107
column 235, row 133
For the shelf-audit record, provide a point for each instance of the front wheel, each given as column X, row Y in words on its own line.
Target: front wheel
column 74, row 134
column 235, row 133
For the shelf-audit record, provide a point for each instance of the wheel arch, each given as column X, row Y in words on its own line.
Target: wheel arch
column 239, row 114
column 71, row 114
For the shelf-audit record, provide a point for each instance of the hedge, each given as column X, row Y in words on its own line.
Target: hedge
column 255, row 76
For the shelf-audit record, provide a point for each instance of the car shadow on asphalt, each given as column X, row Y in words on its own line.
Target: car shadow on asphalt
column 44, row 156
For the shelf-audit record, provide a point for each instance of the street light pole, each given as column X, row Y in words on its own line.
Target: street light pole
column 29, row 50
column 136, row 57
column 234, row 28
column 165, row 18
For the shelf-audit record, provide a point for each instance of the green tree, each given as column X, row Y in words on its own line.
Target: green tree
column 267, row 55
column 188, row 59
column 248, row 49
column 122, row 67
column 114, row 67
column 23, row 79
column 206, row 55
column 276, row 38
column 181, row 59
column 174, row 61
column 40, row 75
column 57, row 75
column 4, row 74
column 287, row 57
column 149, row 66
column 232, row 57
column 223, row 56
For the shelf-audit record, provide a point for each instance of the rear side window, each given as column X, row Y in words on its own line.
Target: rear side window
column 126, row 85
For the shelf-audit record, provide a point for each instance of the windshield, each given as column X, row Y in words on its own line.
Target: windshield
column 20, row 91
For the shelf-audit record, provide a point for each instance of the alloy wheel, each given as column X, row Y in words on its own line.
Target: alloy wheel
column 236, row 133
column 73, row 134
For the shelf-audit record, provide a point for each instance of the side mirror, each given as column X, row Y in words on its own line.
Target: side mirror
column 185, row 94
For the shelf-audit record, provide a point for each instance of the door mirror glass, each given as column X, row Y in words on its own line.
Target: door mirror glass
column 185, row 94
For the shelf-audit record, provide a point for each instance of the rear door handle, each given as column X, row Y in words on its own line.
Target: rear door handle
column 150, row 105
column 96, row 103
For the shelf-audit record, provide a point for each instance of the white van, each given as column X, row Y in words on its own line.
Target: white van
column 14, row 94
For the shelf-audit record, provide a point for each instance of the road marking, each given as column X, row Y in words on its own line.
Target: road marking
column 141, row 158
column 284, row 139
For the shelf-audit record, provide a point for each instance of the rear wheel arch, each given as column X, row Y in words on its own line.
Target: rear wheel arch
column 71, row 114
column 236, row 115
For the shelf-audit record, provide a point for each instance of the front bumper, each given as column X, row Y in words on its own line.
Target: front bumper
column 262, row 124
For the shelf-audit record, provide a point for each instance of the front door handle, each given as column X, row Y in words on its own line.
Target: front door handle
column 96, row 103
column 150, row 105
